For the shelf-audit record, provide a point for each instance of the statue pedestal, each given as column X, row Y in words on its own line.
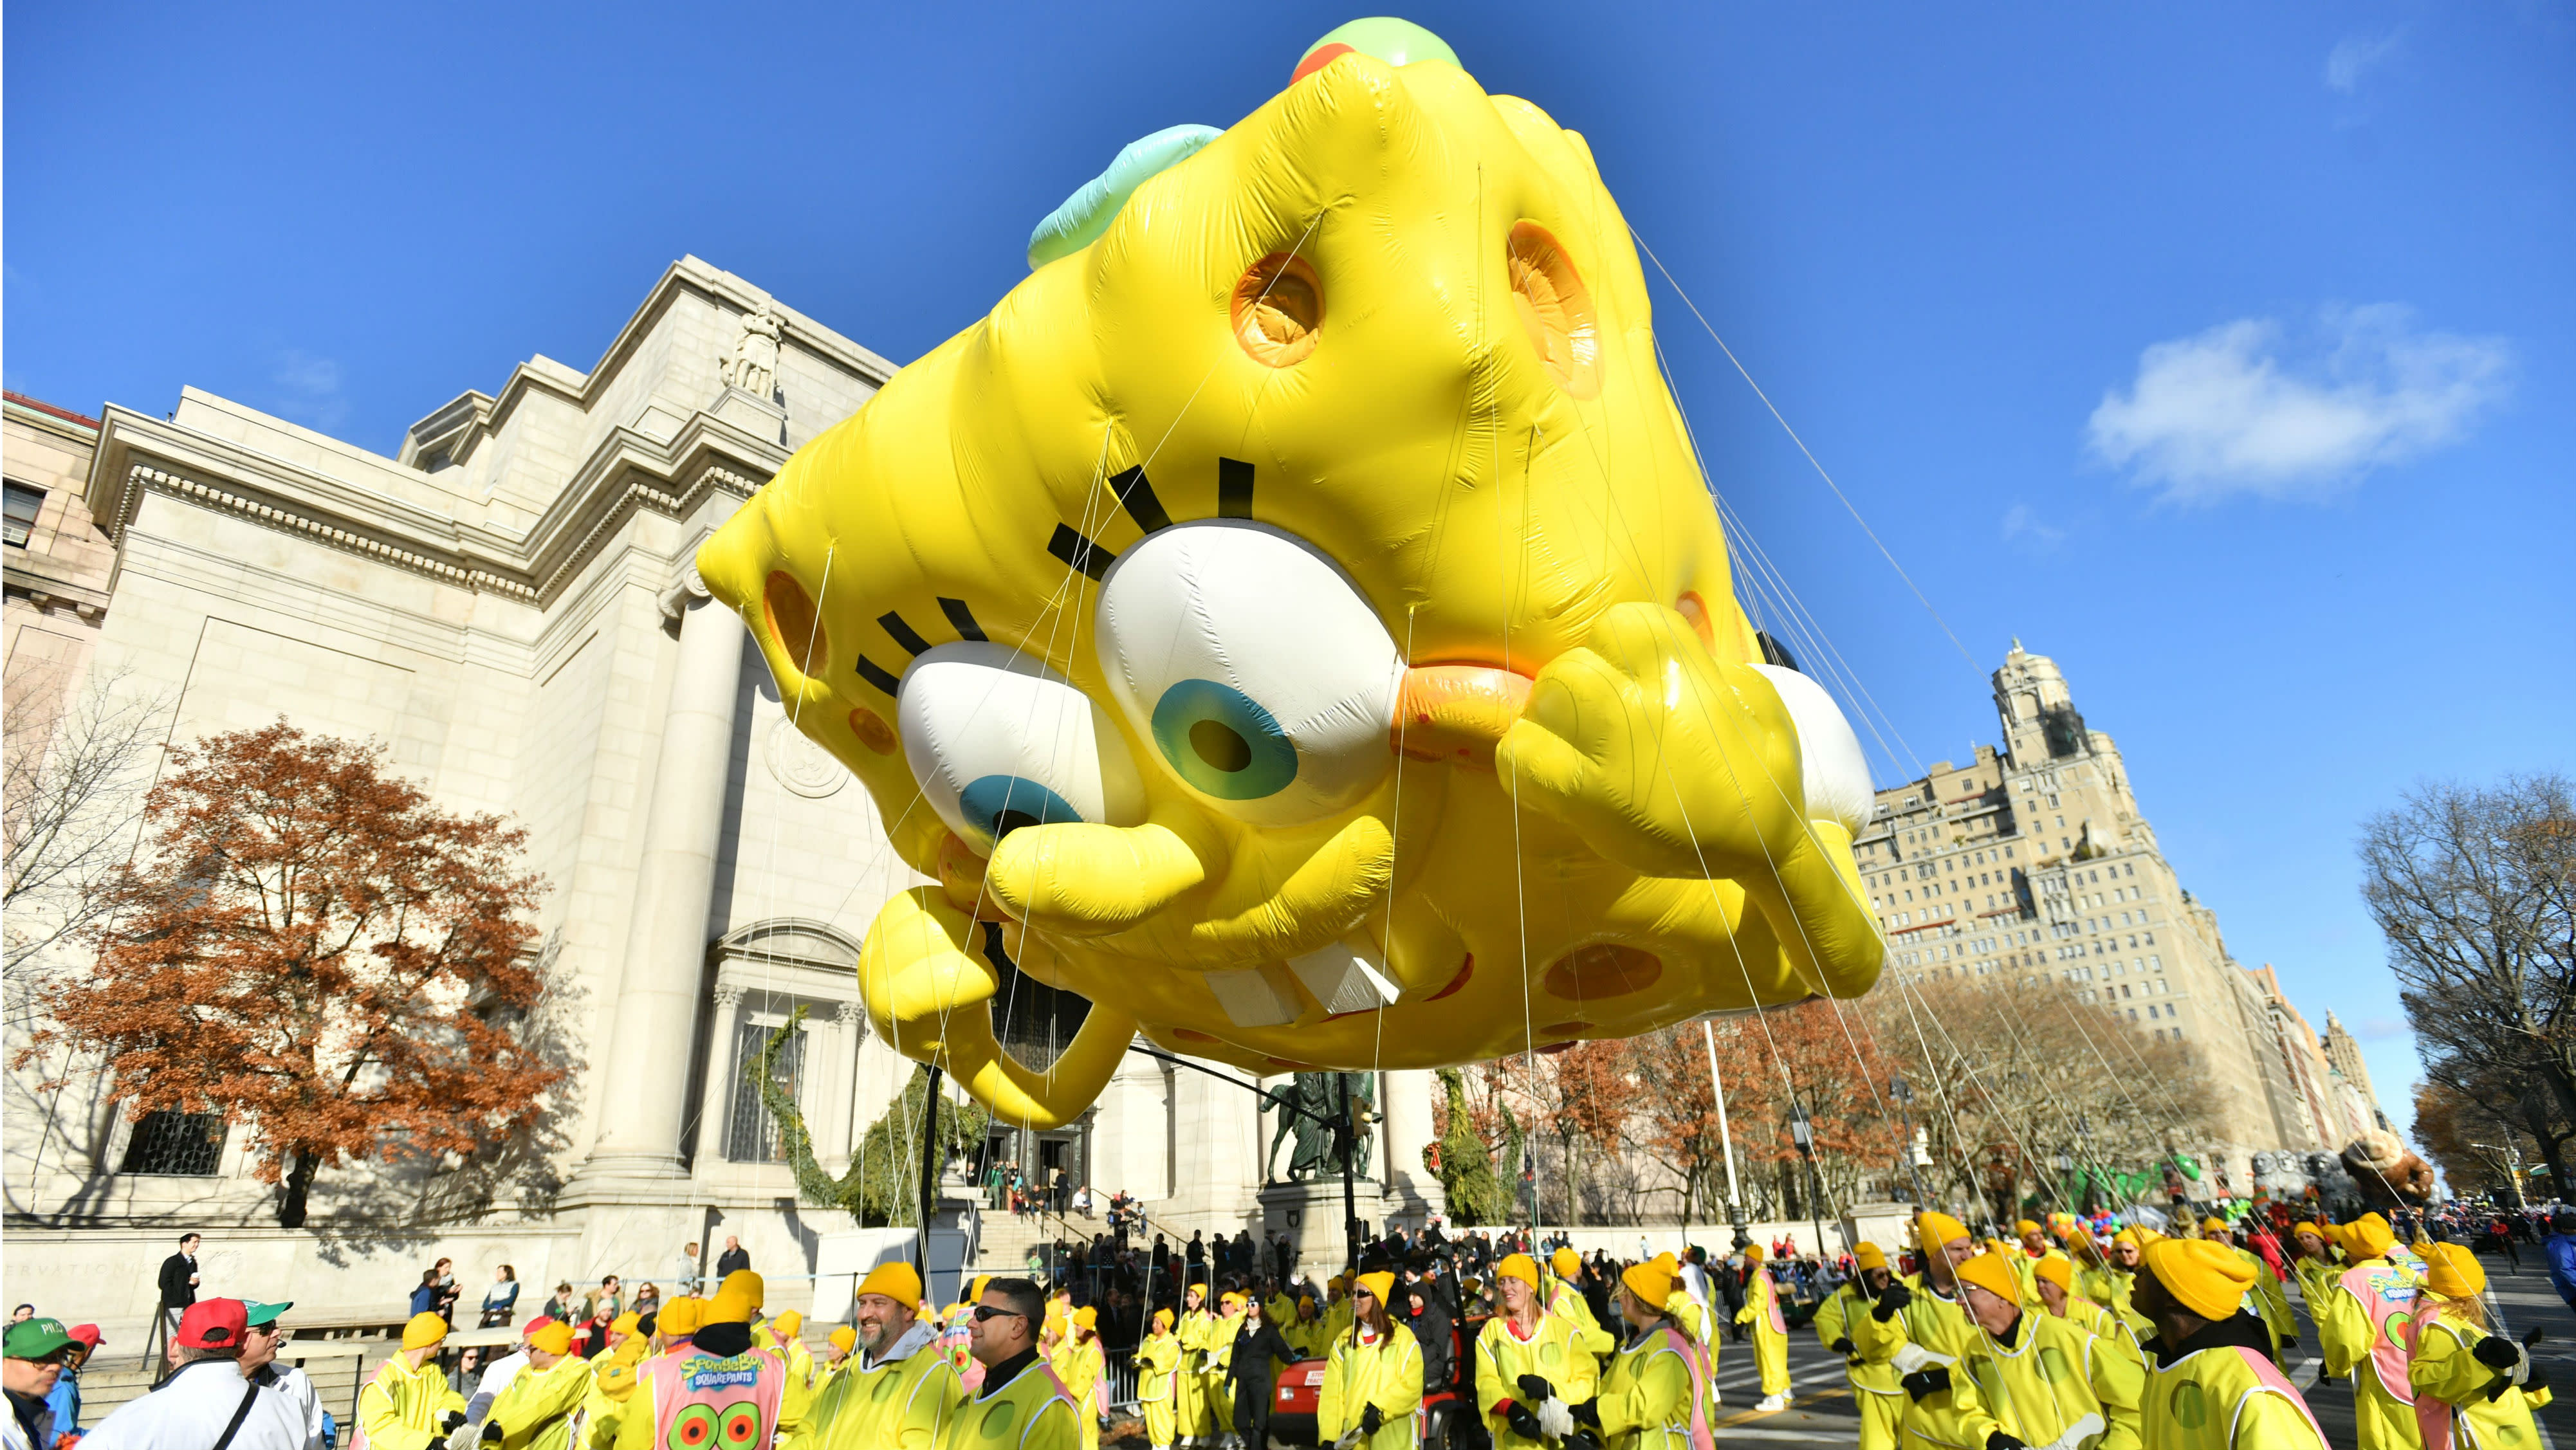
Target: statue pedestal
column 1310, row 1214
column 760, row 417
column 842, row 1259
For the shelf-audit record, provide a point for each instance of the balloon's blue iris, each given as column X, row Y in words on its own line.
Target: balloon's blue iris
column 1000, row 804
column 1223, row 742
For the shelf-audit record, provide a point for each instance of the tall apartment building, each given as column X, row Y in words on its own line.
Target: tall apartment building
column 2343, row 1054
column 2312, row 1077
column 2034, row 858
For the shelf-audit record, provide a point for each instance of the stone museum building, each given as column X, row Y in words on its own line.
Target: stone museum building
column 508, row 604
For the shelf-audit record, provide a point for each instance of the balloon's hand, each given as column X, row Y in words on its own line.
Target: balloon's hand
column 1658, row 756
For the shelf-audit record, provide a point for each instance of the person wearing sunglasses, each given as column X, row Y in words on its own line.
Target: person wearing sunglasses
column 37, row 1350
column 1004, row 1339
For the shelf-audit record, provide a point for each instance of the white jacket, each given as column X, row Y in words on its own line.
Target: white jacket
column 297, row 1388
column 188, row 1411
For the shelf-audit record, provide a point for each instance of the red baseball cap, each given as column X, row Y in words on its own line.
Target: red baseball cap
column 214, row 1324
column 86, row 1334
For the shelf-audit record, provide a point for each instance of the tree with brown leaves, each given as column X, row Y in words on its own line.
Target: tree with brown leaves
column 307, row 944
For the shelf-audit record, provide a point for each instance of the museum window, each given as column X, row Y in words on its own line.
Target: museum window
column 24, row 504
column 184, row 1145
column 751, row 1132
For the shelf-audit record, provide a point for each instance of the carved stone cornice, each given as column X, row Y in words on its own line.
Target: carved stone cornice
column 143, row 477
column 628, row 474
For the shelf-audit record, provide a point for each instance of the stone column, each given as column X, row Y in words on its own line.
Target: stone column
column 641, row 1098
column 715, row 1095
column 837, row 1094
column 1405, row 1099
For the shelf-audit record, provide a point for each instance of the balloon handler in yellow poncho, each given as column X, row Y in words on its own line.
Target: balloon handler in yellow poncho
column 1875, row 1393
column 1372, row 1376
column 1531, row 1370
column 1770, row 1329
column 1158, row 1363
column 1656, row 1393
column 2473, row 1389
column 2211, row 1383
column 2041, row 1379
column 2359, row 1328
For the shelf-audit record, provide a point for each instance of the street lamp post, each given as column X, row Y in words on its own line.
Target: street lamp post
column 1904, row 1096
column 1805, row 1138
column 2513, row 1167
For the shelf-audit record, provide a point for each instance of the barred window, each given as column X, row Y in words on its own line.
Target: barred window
column 751, row 1133
column 25, row 504
column 182, row 1144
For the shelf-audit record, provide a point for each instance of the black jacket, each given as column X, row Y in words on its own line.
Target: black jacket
column 1254, row 1348
column 176, row 1291
column 1430, row 1326
column 732, row 1261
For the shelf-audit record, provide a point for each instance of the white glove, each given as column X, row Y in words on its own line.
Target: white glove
column 2076, row 1434
column 466, row 1436
column 1910, row 1357
column 1554, row 1419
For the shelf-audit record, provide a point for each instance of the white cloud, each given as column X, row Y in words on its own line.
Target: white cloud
column 2251, row 407
column 2355, row 54
column 310, row 390
column 2022, row 523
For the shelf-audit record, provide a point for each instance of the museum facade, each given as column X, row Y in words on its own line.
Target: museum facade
column 508, row 604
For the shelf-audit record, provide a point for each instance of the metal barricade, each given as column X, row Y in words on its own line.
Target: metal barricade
column 1118, row 1382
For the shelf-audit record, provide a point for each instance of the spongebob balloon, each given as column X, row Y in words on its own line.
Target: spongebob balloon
column 1295, row 622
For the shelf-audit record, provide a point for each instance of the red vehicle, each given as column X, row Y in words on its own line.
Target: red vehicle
column 1451, row 1407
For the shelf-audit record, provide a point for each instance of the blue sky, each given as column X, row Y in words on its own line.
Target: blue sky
column 2222, row 352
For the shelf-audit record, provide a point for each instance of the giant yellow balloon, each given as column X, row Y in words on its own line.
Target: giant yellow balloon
column 1294, row 621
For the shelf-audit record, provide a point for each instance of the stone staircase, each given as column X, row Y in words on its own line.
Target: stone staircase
column 1003, row 1239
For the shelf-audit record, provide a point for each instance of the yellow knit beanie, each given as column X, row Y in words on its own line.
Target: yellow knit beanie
column 2208, row 1279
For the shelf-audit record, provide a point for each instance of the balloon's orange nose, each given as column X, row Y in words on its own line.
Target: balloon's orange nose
column 1456, row 713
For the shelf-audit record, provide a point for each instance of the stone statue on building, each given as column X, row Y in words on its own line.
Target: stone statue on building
column 1304, row 1106
column 1283, row 1101
column 753, row 364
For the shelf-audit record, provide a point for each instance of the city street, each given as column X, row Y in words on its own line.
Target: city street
column 1823, row 1414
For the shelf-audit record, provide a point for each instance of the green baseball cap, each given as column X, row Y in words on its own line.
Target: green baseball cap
column 260, row 1314
column 35, row 1338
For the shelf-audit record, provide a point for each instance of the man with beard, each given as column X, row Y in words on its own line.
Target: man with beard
column 859, row 1409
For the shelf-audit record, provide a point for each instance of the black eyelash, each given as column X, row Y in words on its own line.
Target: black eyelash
column 869, row 672
column 1233, row 489
column 1080, row 553
column 1137, row 494
column 913, row 644
column 962, row 618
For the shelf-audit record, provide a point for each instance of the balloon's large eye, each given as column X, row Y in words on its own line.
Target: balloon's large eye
column 999, row 741
column 1263, row 678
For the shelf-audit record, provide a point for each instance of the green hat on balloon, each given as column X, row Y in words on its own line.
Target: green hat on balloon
column 1397, row 42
